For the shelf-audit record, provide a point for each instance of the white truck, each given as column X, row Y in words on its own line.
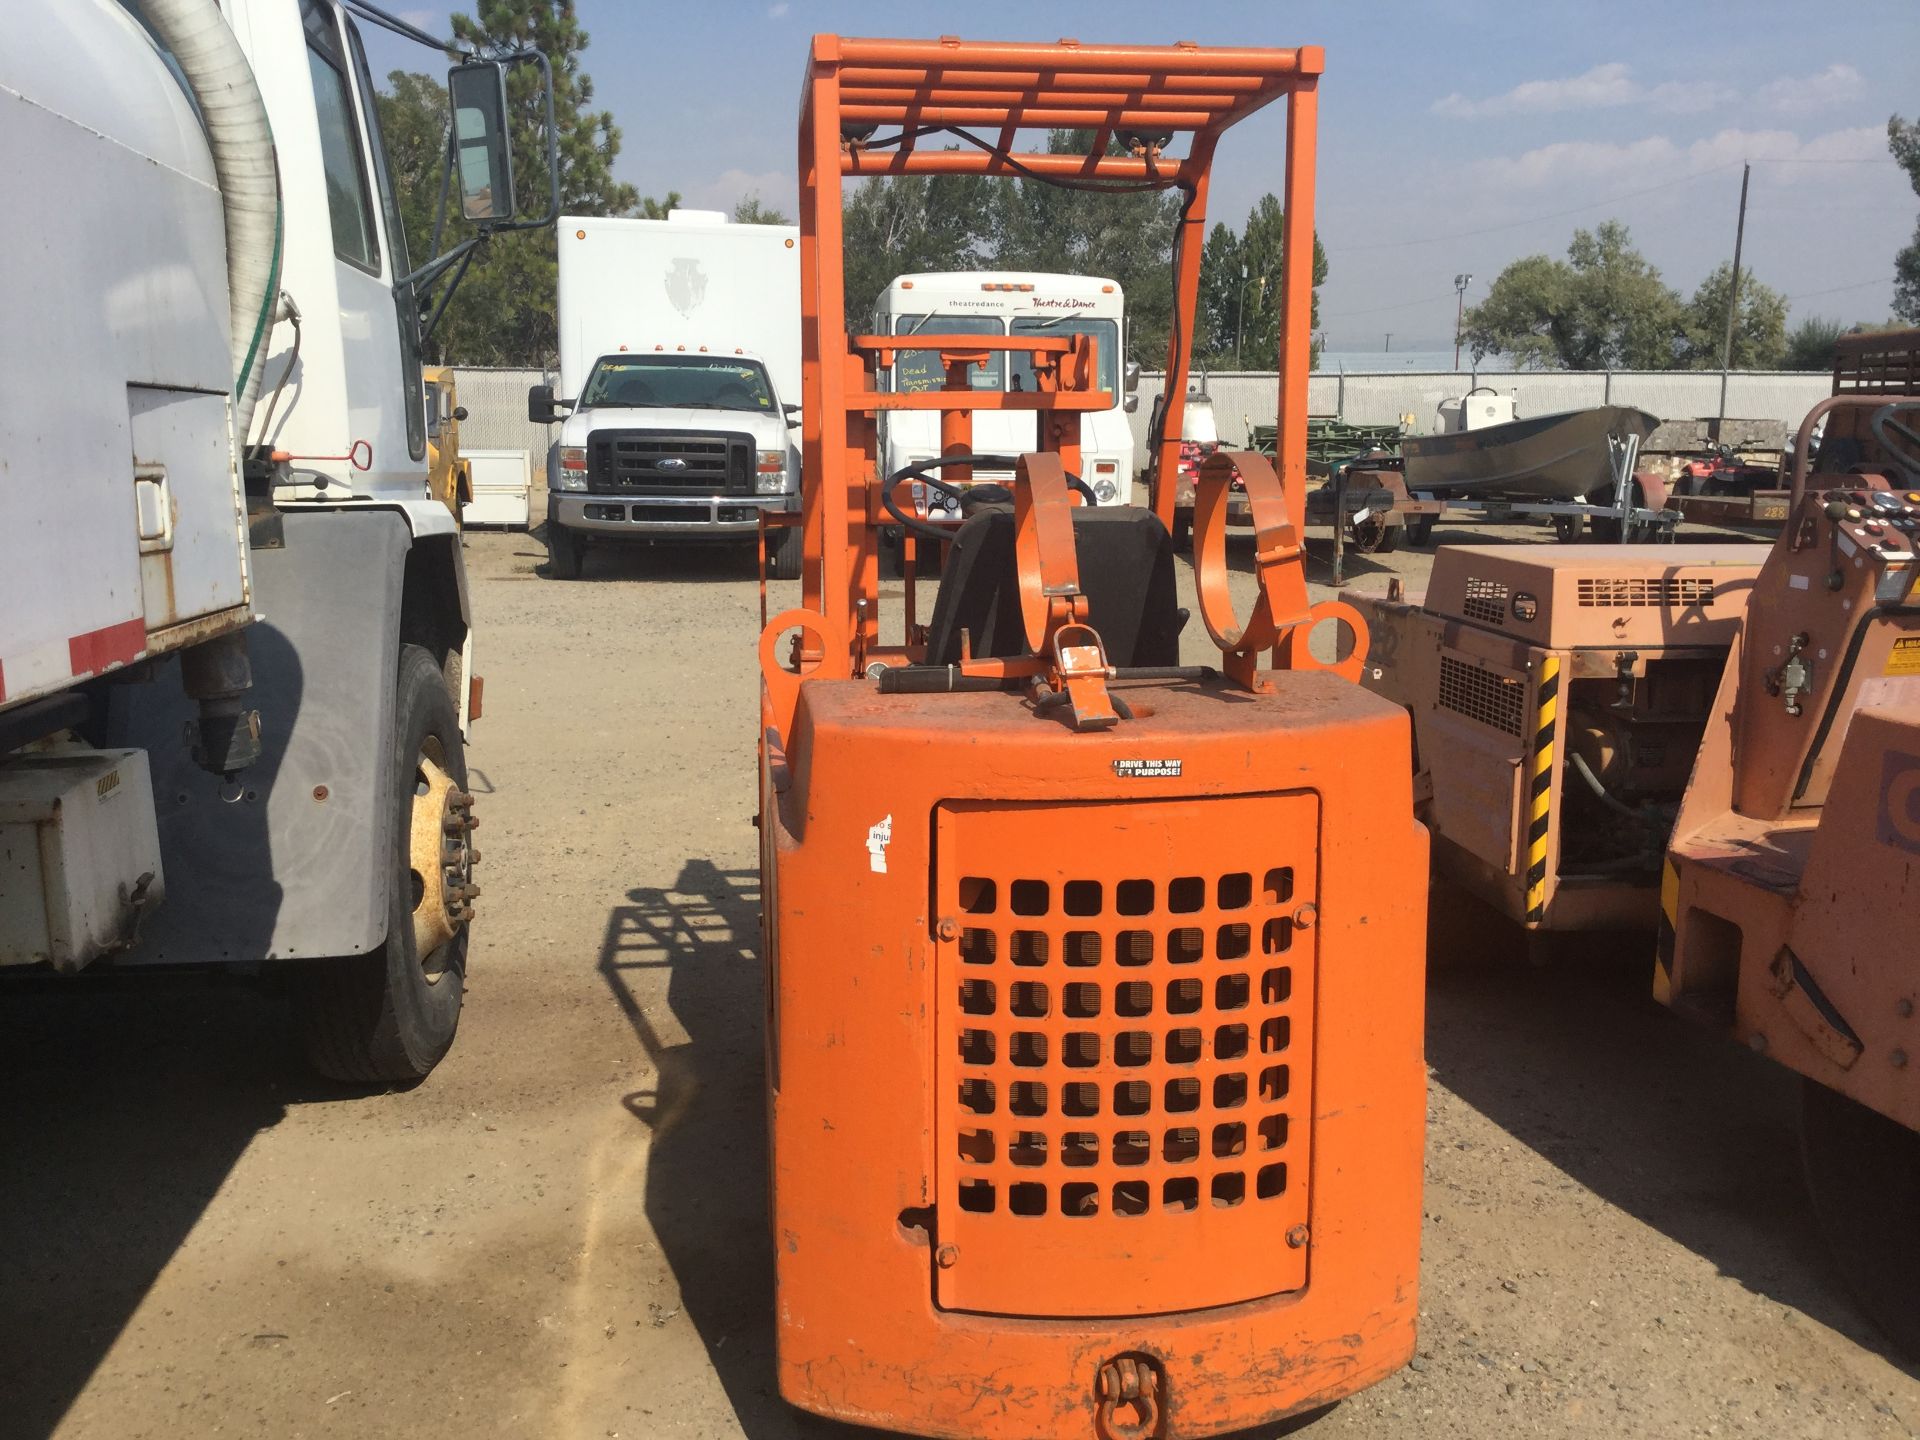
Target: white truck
column 1009, row 302
column 680, row 368
column 234, row 633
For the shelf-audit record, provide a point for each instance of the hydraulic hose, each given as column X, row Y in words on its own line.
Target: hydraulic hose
column 241, row 142
column 943, row 679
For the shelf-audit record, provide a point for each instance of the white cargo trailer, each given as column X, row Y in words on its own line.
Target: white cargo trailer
column 234, row 633
column 680, row 365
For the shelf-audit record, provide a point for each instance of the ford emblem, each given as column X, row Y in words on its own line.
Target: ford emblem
column 672, row 462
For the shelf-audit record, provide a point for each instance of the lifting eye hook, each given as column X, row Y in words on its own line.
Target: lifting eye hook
column 1130, row 1407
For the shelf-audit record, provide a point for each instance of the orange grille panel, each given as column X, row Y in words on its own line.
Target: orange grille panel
column 1123, row 1069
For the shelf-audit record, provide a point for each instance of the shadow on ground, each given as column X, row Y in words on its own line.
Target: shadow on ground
column 1673, row 1124
column 673, row 559
column 123, row 1108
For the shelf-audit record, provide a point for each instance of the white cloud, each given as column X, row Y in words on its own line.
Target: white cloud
column 1658, row 159
column 727, row 189
column 779, row 11
column 1604, row 87
column 1834, row 86
column 1611, row 86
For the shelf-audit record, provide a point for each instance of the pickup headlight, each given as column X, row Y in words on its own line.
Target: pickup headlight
column 770, row 472
column 1106, row 491
column 571, row 472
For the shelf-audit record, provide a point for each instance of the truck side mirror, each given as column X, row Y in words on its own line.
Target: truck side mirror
column 542, row 408
column 1131, row 379
column 792, row 413
column 1130, row 404
column 482, row 158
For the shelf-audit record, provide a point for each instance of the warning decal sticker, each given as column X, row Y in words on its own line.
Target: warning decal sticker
column 1904, row 658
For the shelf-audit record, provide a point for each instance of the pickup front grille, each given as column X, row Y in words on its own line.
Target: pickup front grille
column 663, row 462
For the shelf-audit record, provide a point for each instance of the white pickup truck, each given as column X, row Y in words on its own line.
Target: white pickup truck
column 680, row 368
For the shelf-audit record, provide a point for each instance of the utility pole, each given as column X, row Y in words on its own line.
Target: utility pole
column 1240, row 316
column 1460, row 283
column 1733, row 302
column 1389, row 342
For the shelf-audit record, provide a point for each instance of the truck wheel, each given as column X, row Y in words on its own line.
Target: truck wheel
column 783, row 554
column 388, row 1016
column 1567, row 528
column 566, row 549
column 1863, row 1174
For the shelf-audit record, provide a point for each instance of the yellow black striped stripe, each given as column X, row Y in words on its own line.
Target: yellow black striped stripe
column 1540, row 787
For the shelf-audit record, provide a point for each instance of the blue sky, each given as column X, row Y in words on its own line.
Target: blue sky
column 1455, row 135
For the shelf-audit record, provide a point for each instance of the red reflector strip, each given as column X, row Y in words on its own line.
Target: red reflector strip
column 95, row 651
column 476, row 687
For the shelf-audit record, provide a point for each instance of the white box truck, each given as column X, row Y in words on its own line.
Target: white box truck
column 680, row 378
column 1009, row 302
column 234, row 634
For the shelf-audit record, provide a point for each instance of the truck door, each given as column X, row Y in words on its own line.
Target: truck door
column 369, row 245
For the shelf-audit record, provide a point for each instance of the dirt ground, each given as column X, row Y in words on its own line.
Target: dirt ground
column 561, row 1234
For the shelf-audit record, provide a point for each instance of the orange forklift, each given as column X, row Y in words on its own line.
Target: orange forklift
column 1094, row 1035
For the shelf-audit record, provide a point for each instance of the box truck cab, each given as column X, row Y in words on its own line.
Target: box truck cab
column 1003, row 302
column 235, row 639
column 680, row 372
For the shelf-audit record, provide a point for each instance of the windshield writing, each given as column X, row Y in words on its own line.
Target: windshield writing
column 696, row 383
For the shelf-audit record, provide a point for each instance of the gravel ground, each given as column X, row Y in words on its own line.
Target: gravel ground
column 561, row 1233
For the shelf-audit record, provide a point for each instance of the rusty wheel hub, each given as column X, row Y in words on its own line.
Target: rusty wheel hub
column 441, row 857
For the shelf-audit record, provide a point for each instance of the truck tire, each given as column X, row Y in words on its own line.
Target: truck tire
column 1863, row 1174
column 784, row 553
column 387, row 1017
column 566, row 549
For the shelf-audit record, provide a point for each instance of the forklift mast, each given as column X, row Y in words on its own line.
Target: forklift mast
column 1094, row 1033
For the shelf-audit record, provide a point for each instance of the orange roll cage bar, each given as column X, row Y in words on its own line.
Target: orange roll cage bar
column 1143, row 96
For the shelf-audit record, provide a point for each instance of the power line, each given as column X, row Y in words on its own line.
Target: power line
column 1536, row 219
column 1383, row 309
column 1837, row 289
column 1686, row 179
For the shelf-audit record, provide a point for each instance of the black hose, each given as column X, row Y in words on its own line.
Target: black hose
column 925, row 529
column 942, row 679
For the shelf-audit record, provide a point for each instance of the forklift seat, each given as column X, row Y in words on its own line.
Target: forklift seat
column 1126, row 573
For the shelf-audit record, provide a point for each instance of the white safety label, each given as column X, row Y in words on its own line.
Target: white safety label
column 879, row 836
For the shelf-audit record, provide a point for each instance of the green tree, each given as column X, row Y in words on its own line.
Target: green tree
column 1125, row 235
column 1603, row 307
column 897, row 226
column 1903, row 139
column 1810, row 346
column 1239, row 316
column 752, row 211
column 1759, row 333
column 505, row 312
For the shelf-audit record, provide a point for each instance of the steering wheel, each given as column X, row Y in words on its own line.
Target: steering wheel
column 1906, row 454
column 925, row 529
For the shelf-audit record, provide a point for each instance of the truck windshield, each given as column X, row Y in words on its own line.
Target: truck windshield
column 918, row 370
column 1106, row 344
column 688, row 382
